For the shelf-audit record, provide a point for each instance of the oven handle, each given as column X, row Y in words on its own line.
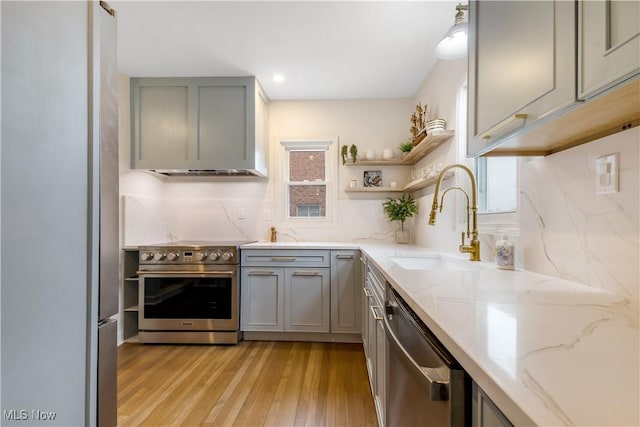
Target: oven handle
column 187, row 272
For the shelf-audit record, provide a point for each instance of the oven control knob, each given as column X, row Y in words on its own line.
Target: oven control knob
column 172, row 256
column 227, row 256
column 201, row 256
column 146, row 256
column 158, row 256
column 214, row 256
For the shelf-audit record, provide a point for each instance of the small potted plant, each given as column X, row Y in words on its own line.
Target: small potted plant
column 343, row 153
column 399, row 210
column 406, row 147
column 353, row 150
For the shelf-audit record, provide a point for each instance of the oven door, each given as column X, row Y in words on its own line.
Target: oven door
column 189, row 301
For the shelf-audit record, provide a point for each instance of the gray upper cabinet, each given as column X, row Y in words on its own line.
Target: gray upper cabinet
column 608, row 44
column 521, row 66
column 204, row 123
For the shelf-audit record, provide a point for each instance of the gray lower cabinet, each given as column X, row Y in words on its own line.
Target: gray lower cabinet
column 608, row 44
column 203, row 123
column 346, row 291
column 285, row 291
column 307, row 299
column 374, row 338
column 262, row 299
column 521, row 66
column 484, row 412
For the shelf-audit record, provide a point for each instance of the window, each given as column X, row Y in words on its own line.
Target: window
column 495, row 176
column 496, row 184
column 306, row 179
column 308, row 210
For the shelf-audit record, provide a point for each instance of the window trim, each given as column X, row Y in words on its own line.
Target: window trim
column 282, row 194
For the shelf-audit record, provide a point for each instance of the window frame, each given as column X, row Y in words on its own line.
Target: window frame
column 320, row 144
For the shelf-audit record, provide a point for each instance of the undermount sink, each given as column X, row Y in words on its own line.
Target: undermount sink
column 431, row 263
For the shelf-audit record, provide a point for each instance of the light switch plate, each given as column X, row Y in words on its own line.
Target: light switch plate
column 607, row 172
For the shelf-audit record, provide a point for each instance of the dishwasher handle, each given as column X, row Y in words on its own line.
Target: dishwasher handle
column 438, row 389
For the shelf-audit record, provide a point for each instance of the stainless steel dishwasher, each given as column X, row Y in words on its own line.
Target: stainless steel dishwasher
column 425, row 385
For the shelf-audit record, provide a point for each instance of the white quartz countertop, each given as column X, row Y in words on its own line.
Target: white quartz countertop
column 301, row 245
column 547, row 351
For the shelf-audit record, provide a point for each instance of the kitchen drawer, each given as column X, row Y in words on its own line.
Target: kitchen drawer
column 285, row 258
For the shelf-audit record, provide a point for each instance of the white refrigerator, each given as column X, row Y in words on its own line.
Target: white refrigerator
column 59, row 256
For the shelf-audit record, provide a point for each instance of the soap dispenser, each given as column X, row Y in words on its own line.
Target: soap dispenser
column 504, row 253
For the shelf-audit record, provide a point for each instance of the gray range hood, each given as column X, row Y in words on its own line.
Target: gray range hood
column 209, row 172
column 200, row 126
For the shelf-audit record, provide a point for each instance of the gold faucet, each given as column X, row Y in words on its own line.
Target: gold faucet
column 473, row 248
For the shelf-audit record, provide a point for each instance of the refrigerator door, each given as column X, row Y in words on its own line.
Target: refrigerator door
column 107, row 374
column 109, row 209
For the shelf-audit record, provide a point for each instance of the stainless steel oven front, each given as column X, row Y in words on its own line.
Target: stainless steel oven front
column 189, row 294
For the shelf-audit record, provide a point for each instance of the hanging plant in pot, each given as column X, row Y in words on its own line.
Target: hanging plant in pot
column 399, row 210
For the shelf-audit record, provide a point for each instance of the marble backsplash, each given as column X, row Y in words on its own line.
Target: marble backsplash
column 568, row 231
column 147, row 220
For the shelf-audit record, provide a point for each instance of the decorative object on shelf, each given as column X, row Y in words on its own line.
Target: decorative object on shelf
column 435, row 125
column 405, row 147
column 373, row 178
column 387, row 154
column 353, row 183
column 370, row 155
column 353, row 150
column 504, row 252
column 273, row 234
column 343, row 153
column 417, row 123
column 399, row 210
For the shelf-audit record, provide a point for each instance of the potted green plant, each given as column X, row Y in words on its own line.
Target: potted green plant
column 353, row 150
column 399, row 210
column 406, row 147
column 343, row 153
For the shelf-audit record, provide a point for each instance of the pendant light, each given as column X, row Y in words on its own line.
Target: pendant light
column 454, row 43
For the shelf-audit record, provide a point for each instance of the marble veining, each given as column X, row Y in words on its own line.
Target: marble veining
column 568, row 231
column 548, row 351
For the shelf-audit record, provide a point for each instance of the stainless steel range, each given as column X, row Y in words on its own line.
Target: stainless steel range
column 189, row 293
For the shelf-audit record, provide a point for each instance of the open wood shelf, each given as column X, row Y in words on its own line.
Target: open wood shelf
column 426, row 146
column 415, row 185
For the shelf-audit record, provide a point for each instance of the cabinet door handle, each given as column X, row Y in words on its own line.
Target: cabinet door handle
column 261, row 273
column 375, row 315
column 306, row 273
column 283, row 258
column 344, row 256
column 505, row 127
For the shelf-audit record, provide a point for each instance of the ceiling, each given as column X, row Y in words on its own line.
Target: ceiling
column 324, row 49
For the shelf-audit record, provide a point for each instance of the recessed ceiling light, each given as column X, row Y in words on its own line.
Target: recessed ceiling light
column 278, row 78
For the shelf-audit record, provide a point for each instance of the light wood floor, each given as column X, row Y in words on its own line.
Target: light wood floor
column 251, row 384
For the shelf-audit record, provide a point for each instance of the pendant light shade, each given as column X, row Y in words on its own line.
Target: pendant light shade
column 454, row 43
